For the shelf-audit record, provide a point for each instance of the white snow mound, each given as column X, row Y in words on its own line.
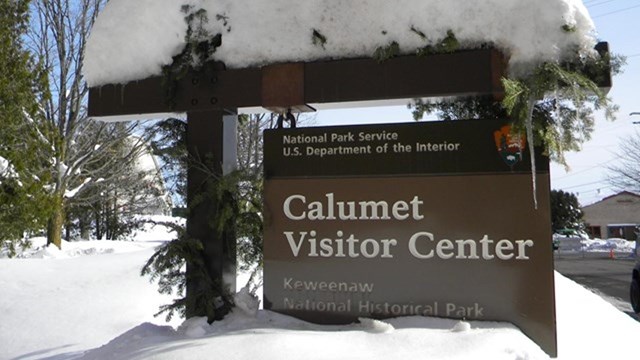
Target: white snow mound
column 145, row 34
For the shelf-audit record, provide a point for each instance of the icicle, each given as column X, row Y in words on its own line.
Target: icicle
column 529, row 126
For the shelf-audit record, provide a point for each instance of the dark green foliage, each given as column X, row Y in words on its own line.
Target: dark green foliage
column 249, row 223
column 565, row 211
column 24, row 205
column 554, row 105
column 557, row 102
column 384, row 53
column 182, row 261
column 197, row 53
column 167, row 266
column 318, row 39
column 236, row 213
column 447, row 45
column 459, row 108
column 200, row 45
column 599, row 68
column 250, row 187
column 238, row 197
column 170, row 145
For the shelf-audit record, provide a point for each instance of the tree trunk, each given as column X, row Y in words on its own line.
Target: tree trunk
column 55, row 224
column 67, row 230
column 84, row 225
column 98, row 219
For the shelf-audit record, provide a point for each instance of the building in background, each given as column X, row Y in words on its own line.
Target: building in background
column 615, row 216
column 155, row 199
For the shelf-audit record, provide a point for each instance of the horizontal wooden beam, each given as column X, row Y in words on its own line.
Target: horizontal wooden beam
column 463, row 73
column 460, row 73
column 197, row 91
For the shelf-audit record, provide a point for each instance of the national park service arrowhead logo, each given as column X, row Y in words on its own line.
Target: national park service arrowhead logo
column 510, row 145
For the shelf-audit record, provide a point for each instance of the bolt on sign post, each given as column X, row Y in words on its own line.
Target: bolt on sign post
column 431, row 219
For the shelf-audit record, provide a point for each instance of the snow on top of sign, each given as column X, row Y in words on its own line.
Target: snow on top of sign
column 133, row 39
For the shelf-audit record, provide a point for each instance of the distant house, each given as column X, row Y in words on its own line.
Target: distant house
column 156, row 200
column 615, row 216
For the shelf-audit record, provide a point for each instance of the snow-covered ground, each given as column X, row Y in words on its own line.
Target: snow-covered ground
column 89, row 302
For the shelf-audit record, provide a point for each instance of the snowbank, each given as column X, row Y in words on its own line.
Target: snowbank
column 595, row 245
column 273, row 336
column 599, row 245
column 262, row 334
column 145, row 34
column 89, row 302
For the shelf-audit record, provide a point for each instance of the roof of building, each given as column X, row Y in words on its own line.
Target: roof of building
column 614, row 196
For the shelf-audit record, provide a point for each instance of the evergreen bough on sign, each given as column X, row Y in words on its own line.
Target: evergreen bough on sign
column 239, row 199
column 238, row 212
column 554, row 104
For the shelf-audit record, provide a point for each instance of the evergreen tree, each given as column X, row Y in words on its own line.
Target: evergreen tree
column 565, row 211
column 468, row 108
column 23, row 146
column 170, row 145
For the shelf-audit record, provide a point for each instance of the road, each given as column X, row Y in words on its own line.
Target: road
column 599, row 272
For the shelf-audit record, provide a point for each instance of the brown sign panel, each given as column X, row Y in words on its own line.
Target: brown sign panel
column 451, row 234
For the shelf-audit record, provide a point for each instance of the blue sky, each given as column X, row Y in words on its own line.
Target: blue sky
column 617, row 22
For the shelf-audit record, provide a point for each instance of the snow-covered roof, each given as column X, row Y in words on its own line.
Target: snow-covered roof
column 133, row 39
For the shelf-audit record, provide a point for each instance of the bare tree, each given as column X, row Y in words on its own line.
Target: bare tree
column 625, row 174
column 250, row 142
column 118, row 185
column 87, row 154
